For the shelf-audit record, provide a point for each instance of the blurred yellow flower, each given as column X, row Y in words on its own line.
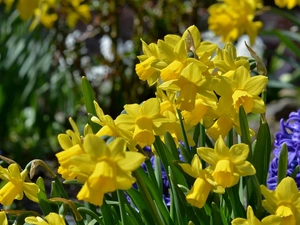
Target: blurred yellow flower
column 284, row 201
column 287, row 3
column 77, row 11
column 26, row 8
column 203, row 184
column 106, row 167
column 232, row 18
column 227, row 165
column 252, row 220
column 15, row 185
column 3, row 219
column 51, row 219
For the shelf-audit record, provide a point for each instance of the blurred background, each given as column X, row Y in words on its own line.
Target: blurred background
column 41, row 68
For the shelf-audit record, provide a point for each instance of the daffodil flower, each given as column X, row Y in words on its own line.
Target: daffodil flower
column 51, row 219
column 145, row 121
column 252, row 220
column 287, row 3
column 203, row 184
column 284, row 201
column 15, row 185
column 106, row 167
column 227, row 165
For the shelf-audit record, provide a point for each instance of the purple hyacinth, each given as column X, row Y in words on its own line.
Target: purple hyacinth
column 290, row 135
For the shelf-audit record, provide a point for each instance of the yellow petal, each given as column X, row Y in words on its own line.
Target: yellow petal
column 208, row 155
column 3, row 219
column 31, row 191
column 132, row 161
column 9, row 192
column 256, row 84
column 287, row 189
column 239, row 153
column 95, row 146
column 245, row 169
column 150, row 108
column 64, row 141
column 94, row 196
column 55, row 219
column 221, row 149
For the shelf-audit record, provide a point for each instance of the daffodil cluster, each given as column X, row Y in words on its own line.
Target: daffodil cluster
column 206, row 83
column 101, row 167
column 232, row 18
column 46, row 12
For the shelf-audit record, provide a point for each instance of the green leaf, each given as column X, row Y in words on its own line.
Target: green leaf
column 282, row 163
column 245, row 134
column 262, row 152
column 89, row 98
column 295, row 172
column 139, row 200
column 287, row 14
column 261, row 69
column 42, row 196
column 217, row 215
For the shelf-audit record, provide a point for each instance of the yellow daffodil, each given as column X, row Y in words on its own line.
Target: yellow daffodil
column 3, row 219
column 232, row 18
column 187, row 85
column 106, row 167
column 238, row 88
column 252, row 220
column 287, row 3
column 204, row 183
column 227, row 165
column 144, row 69
column 144, row 121
column 227, row 59
column 15, row 185
column 51, row 219
column 284, row 201
column 71, row 143
column 203, row 104
column 110, row 127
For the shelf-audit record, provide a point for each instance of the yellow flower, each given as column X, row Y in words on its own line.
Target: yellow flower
column 26, row 8
column 106, row 167
column 51, row 219
column 15, row 185
column 3, row 219
column 144, row 121
column 252, row 220
column 187, row 85
column 110, row 127
column 71, row 144
column 144, row 69
column 287, row 3
column 204, row 183
column 227, row 165
column 284, row 201
column 232, row 18
column 227, row 59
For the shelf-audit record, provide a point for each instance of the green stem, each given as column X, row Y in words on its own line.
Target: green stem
column 187, row 153
column 107, row 216
column 122, row 206
column 237, row 207
column 230, row 138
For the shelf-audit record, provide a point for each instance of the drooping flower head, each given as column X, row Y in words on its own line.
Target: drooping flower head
column 289, row 134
